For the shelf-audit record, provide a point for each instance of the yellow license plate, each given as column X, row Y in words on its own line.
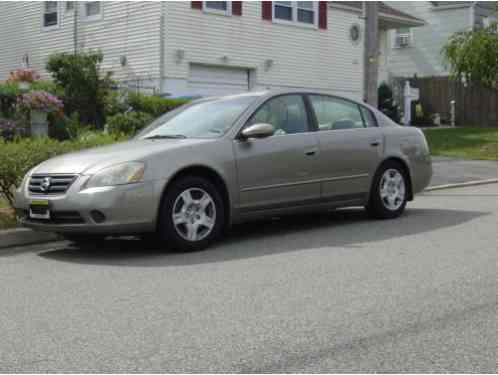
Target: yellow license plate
column 39, row 202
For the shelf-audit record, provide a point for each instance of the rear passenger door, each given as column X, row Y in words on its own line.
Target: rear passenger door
column 350, row 147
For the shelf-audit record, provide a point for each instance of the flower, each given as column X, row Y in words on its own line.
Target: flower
column 40, row 101
column 23, row 75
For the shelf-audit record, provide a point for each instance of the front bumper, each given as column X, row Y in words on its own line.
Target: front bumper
column 127, row 209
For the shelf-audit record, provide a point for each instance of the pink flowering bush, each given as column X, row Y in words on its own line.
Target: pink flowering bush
column 40, row 101
column 24, row 75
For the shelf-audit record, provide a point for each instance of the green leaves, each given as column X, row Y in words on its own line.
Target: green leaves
column 19, row 156
column 473, row 55
column 85, row 87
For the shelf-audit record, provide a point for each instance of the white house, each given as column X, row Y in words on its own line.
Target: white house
column 418, row 50
column 201, row 48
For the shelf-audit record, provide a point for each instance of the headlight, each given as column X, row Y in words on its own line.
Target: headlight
column 25, row 179
column 120, row 174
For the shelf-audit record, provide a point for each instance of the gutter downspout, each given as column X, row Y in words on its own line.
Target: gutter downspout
column 162, row 47
column 473, row 16
column 75, row 28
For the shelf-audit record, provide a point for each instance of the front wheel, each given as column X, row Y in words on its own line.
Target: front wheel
column 388, row 197
column 192, row 214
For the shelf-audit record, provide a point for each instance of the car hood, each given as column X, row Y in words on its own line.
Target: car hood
column 94, row 159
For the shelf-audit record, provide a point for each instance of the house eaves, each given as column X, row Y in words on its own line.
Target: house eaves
column 389, row 18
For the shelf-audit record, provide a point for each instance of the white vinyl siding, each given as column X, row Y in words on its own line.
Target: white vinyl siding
column 300, row 57
column 122, row 32
column 423, row 57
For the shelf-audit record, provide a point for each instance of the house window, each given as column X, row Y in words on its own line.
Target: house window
column 51, row 14
column 93, row 10
column 298, row 12
column 403, row 38
column 69, row 6
column 219, row 7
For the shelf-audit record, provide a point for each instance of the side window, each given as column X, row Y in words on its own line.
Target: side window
column 336, row 114
column 368, row 117
column 286, row 113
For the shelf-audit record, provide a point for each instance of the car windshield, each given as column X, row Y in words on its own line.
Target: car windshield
column 209, row 119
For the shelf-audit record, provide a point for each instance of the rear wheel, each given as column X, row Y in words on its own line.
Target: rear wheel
column 192, row 214
column 388, row 197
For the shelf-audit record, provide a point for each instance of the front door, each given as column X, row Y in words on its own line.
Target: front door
column 279, row 171
column 350, row 147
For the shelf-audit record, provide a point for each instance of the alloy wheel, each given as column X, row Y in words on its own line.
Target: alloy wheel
column 392, row 189
column 194, row 214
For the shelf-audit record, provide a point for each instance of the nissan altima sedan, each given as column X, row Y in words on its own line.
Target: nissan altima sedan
column 219, row 161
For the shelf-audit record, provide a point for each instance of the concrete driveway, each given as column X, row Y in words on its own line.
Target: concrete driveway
column 454, row 171
column 334, row 293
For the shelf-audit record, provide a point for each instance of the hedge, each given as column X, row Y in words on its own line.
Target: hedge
column 153, row 105
column 19, row 156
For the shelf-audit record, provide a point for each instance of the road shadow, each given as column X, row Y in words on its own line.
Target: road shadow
column 342, row 228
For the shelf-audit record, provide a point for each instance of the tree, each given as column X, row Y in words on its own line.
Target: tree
column 84, row 87
column 473, row 55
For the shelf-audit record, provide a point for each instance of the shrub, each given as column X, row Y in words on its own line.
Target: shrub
column 8, row 98
column 85, row 88
column 10, row 129
column 153, row 105
column 387, row 104
column 128, row 123
column 19, row 156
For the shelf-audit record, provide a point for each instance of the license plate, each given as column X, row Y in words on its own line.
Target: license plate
column 39, row 209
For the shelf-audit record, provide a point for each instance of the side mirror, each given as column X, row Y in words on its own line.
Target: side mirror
column 258, row 131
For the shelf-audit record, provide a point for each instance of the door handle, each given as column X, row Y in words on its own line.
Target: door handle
column 310, row 152
column 375, row 143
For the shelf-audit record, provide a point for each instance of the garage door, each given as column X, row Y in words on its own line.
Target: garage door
column 208, row 80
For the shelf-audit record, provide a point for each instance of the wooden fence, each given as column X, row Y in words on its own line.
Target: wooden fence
column 475, row 105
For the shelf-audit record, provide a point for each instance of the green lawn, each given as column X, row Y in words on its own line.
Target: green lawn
column 469, row 143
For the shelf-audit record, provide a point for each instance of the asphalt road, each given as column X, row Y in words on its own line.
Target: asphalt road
column 331, row 293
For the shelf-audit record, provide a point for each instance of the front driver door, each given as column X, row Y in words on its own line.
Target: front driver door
column 278, row 171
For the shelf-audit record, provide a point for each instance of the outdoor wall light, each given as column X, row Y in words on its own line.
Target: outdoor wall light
column 269, row 64
column 179, row 55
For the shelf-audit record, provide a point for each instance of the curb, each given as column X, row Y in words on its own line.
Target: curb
column 463, row 184
column 23, row 237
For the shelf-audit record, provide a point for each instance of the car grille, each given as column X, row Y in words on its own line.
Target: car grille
column 58, row 183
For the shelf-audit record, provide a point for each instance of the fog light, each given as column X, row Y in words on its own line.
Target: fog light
column 97, row 216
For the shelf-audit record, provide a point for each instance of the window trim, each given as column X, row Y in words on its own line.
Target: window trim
column 59, row 14
column 294, row 11
column 95, row 17
column 360, row 106
column 308, row 110
column 227, row 12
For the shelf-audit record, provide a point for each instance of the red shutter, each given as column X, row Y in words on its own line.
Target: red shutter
column 322, row 14
column 266, row 10
column 237, row 8
column 196, row 4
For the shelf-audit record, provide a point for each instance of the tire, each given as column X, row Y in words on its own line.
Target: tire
column 84, row 239
column 388, row 196
column 197, row 208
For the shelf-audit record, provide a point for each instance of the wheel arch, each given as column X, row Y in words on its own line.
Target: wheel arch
column 406, row 169
column 199, row 170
